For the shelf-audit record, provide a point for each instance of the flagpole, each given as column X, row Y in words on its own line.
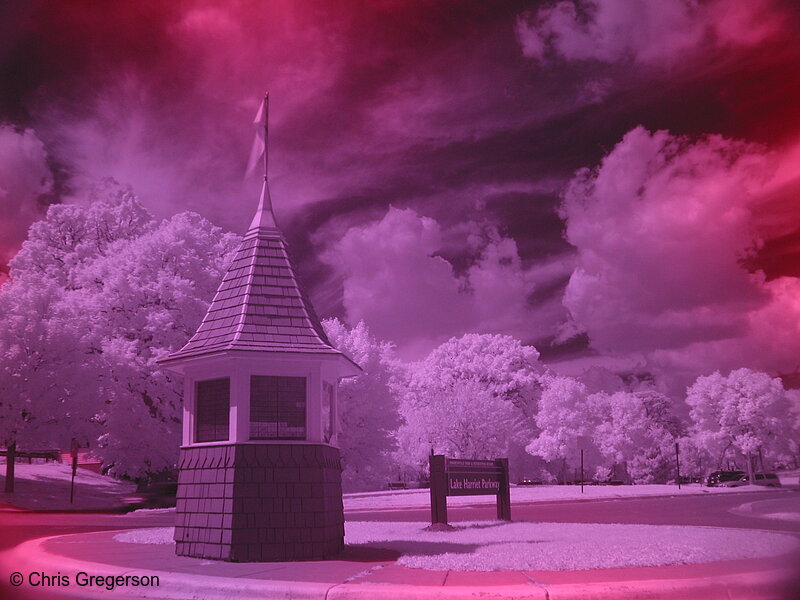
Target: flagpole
column 266, row 135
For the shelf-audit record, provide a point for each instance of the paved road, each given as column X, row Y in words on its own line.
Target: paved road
column 18, row 526
column 710, row 510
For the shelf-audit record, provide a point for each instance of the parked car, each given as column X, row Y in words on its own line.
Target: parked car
column 530, row 481
column 717, row 477
column 767, row 479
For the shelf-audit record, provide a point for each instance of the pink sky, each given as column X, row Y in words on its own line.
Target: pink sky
column 424, row 156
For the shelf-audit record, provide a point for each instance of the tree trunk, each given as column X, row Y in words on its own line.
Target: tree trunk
column 722, row 458
column 626, row 474
column 11, row 459
column 750, row 474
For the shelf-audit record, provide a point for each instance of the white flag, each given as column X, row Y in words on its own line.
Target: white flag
column 260, row 142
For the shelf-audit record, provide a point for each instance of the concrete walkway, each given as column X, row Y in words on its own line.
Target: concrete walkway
column 364, row 573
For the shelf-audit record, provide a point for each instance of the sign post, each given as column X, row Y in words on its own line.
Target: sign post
column 74, row 456
column 678, row 464
column 11, row 461
column 467, row 477
column 438, row 490
column 583, row 443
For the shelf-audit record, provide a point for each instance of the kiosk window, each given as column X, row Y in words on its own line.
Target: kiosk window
column 212, row 410
column 277, row 408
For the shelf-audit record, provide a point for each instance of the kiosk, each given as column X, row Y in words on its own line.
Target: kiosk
column 259, row 469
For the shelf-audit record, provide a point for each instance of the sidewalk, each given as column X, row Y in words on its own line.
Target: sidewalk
column 364, row 573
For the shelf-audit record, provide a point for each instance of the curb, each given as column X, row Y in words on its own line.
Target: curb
column 753, row 511
column 114, row 510
column 777, row 584
column 559, row 501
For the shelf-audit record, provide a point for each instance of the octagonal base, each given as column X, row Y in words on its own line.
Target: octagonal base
column 260, row 502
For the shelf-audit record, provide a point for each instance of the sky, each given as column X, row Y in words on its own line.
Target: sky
column 613, row 181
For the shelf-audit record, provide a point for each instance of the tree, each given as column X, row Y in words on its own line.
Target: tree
column 45, row 357
column 464, row 419
column 472, row 396
column 566, row 423
column 695, row 460
column 505, row 365
column 794, row 443
column 130, row 290
column 634, row 429
column 368, row 412
column 146, row 297
column 637, row 429
column 73, row 234
column 746, row 411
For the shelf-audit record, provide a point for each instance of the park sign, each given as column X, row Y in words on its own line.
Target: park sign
column 468, row 477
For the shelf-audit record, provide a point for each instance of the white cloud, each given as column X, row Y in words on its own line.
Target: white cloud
column 661, row 228
column 393, row 280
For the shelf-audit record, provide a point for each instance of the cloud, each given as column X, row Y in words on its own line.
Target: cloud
column 768, row 342
column 24, row 179
column 403, row 104
column 665, row 229
column 164, row 96
column 395, row 280
column 642, row 31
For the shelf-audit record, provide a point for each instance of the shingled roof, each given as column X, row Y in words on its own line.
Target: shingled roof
column 260, row 305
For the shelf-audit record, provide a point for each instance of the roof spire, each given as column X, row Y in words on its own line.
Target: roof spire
column 265, row 109
column 264, row 217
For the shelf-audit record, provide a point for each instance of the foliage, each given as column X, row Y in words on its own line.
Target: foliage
column 464, row 420
column 602, row 474
column 99, row 292
column 564, row 419
column 471, row 397
column 634, row 429
column 125, row 290
column 505, row 366
column 147, row 297
column 638, row 430
column 72, row 235
column 368, row 413
column 746, row 411
column 45, row 358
